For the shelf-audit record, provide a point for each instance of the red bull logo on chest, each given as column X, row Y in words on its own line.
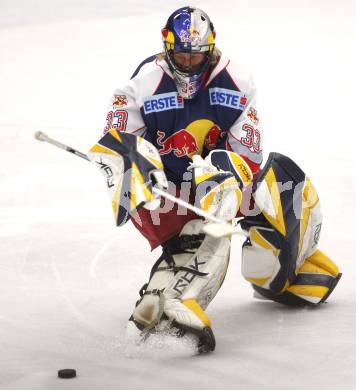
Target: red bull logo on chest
column 190, row 140
column 182, row 143
column 162, row 102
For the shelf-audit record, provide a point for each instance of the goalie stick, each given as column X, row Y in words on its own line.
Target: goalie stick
column 40, row 136
column 216, row 228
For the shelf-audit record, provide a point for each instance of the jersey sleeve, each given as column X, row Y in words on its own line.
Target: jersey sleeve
column 245, row 135
column 124, row 112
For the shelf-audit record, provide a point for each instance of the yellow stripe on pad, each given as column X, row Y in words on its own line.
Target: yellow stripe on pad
column 303, row 226
column 158, row 164
column 262, row 242
column 208, row 201
column 310, row 195
column 97, row 148
column 324, row 262
column 136, row 176
column 242, row 168
column 308, row 291
column 115, row 134
column 194, row 306
column 204, row 177
column 258, row 281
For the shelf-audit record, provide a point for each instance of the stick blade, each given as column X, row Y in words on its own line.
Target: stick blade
column 220, row 229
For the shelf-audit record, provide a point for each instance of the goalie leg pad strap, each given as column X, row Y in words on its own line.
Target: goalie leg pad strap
column 149, row 308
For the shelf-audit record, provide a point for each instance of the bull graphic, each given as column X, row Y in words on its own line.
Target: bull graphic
column 252, row 114
column 120, row 100
column 181, row 143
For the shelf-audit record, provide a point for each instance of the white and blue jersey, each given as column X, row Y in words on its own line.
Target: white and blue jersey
column 222, row 115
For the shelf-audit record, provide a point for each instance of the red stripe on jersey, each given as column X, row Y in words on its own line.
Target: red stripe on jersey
column 255, row 168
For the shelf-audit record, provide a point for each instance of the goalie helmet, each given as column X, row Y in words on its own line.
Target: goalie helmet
column 189, row 41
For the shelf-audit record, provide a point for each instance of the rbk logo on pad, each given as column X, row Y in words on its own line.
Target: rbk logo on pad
column 227, row 98
column 162, row 102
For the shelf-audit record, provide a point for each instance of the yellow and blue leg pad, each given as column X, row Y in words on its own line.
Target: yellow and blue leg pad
column 280, row 256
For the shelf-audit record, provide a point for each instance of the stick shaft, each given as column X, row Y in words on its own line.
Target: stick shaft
column 44, row 137
column 68, row 149
column 187, row 205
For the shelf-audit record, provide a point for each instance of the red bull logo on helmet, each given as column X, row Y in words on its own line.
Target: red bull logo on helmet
column 162, row 102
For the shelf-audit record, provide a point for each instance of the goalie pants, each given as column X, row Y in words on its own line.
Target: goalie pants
column 159, row 226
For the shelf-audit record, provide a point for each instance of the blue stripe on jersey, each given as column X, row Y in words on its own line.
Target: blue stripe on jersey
column 146, row 61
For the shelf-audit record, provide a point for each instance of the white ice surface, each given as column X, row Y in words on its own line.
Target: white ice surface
column 69, row 278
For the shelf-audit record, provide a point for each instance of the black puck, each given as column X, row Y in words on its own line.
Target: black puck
column 67, row 373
